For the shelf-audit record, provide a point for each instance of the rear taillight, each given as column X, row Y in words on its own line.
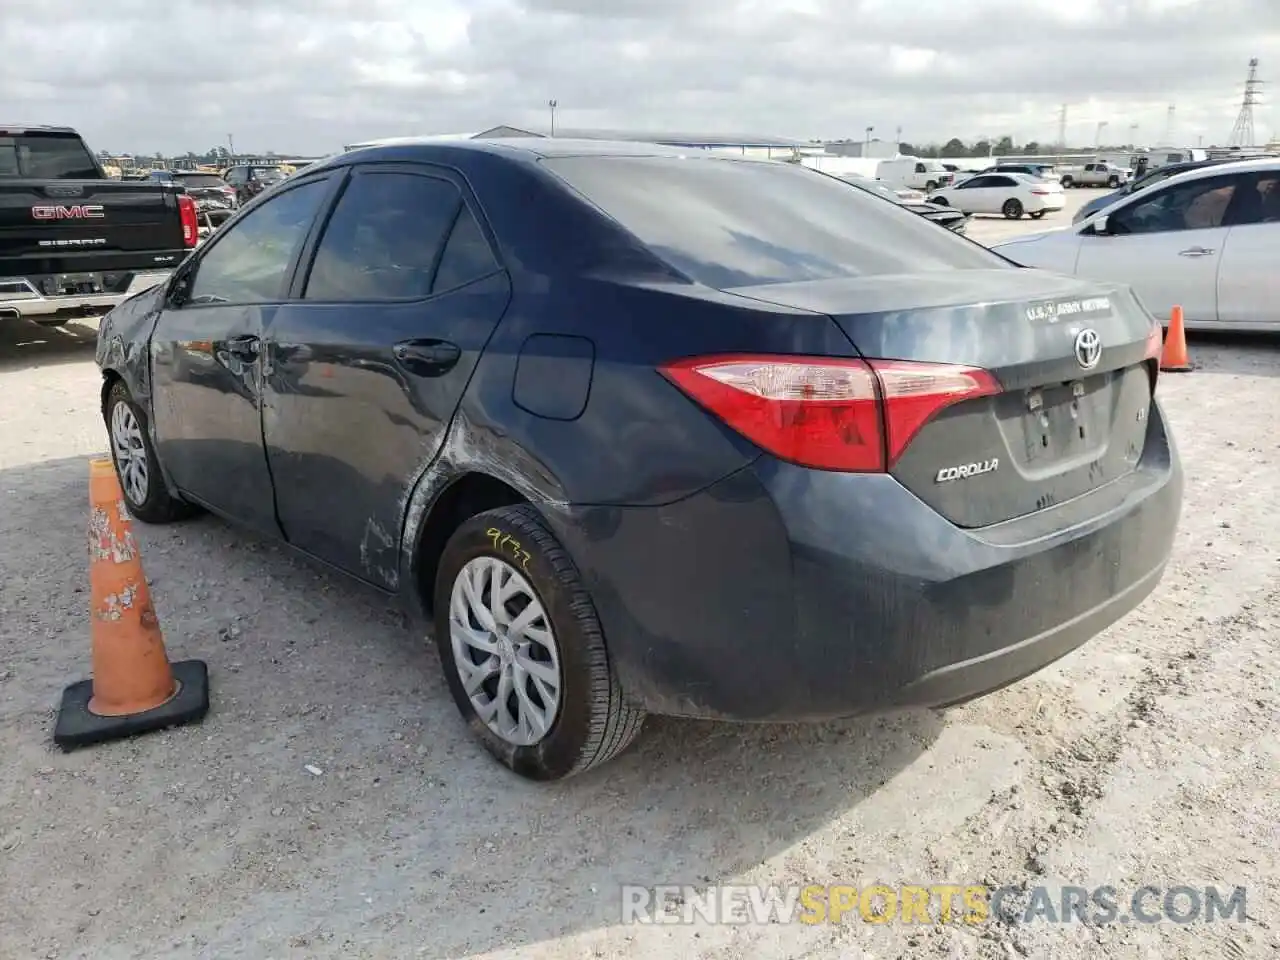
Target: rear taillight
column 850, row 415
column 1041, row 191
column 190, row 221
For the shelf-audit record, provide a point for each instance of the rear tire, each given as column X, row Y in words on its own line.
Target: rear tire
column 1037, row 215
column 931, row 186
column 572, row 716
column 137, row 466
column 1012, row 209
column 940, row 201
column 1068, row 183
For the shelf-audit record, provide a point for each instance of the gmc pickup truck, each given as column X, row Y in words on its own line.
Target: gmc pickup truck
column 74, row 243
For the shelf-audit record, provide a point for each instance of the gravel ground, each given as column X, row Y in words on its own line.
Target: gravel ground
column 1149, row 756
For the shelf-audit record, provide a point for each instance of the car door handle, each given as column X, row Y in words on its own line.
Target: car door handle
column 244, row 347
column 1195, row 252
column 427, row 358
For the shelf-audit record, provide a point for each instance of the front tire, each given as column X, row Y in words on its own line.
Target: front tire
column 939, row 201
column 137, row 466
column 523, row 651
column 1012, row 209
column 1037, row 215
column 931, row 186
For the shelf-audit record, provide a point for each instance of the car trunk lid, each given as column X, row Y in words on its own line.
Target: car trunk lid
column 1073, row 361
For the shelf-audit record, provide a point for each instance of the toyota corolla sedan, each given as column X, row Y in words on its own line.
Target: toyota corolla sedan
column 645, row 431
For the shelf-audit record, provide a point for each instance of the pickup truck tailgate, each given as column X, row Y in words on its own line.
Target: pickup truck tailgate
column 65, row 217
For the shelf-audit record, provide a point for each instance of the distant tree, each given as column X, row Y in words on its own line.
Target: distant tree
column 908, row 149
column 955, row 148
column 980, row 149
column 1032, row 148
column 1005, row 147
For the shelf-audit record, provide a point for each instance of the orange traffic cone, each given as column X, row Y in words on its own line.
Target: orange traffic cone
column 134, row 688
column 1174, row 358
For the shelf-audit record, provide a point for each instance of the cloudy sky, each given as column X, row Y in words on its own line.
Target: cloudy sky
column 310, row 75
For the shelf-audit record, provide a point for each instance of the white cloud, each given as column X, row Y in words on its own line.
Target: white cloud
column 310, row 75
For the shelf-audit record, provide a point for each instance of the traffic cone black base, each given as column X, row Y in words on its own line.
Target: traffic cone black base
column 77, row 726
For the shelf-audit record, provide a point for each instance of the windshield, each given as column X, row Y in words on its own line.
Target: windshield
column 732, row 223
column 269, row 174
column 39, row 156
column 201, row 180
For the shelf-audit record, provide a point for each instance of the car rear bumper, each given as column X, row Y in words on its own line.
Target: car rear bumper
column 784, row 594
column 20, row 300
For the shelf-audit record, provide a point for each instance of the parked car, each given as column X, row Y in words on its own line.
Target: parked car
column 1043, row 171
column 74, row 242
column 1158, row 175
column 630, row 460
column 1096, row 175
column 215, row 199
column 944, row 216
column 1204, row 240
column 1009, row 194
column 248, row 181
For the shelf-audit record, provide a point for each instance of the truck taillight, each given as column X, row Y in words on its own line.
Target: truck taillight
column 190, row 221
column 850, row 415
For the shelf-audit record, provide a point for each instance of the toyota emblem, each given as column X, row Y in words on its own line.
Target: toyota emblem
column 1088, row 348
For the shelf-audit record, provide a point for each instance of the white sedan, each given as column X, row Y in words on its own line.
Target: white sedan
column 1207, row 240
column 1010, row 194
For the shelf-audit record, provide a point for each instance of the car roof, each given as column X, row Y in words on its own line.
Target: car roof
column 34, row 128
column 1204, row 170
column 533, row 148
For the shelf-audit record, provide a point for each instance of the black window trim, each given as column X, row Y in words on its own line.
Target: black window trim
column 184, row 274
column 466, row 200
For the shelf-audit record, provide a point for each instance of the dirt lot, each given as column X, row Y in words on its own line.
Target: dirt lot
column 1151, row 756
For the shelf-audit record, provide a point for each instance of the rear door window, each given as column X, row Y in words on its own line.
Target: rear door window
column 728, row 223
column 466, row 257
column 384, row 239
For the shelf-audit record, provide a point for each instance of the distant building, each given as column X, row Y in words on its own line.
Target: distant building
column 874, row 149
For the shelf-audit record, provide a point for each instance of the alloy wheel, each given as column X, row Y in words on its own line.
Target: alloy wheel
column 505, row 651
column 130, row 453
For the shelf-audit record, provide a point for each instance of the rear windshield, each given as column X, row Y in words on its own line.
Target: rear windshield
column 728, row 223
column 268, row 173
column 45, row 157
column 201, row 180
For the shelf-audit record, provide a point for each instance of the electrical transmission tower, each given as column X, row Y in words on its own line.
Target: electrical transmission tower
column 1062, row 128
column 1242, row 134
column 1169, row 122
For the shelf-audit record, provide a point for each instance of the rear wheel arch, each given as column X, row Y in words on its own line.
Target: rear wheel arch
column 468, row 494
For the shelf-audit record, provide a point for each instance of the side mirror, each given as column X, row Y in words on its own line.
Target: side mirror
column 179, row 287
